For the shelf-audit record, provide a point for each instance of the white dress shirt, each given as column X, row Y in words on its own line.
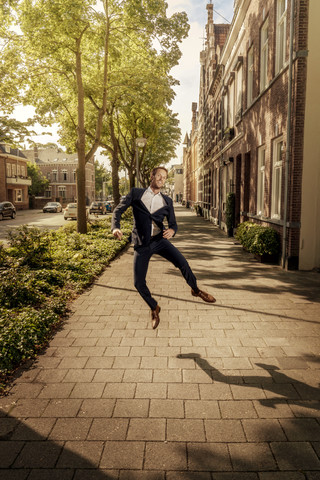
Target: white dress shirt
column 153, row 202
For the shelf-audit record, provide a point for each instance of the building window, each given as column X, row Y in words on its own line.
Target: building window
column 9, row 170
column 231, row 105
column 14, row 169
column 261, row 179
column 23, row 171
column 54, row 175
column 276, row 179
column 281, row 34
column 62, row 192
column 250, row 77
column 64, row 175
column 18, row 195
column 74, row 175
column 264, row 55
column 239, row 94
column 225, row 111
column 49, row 176
column 18, row 170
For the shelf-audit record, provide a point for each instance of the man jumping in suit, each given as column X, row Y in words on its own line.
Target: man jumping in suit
column 149, row 236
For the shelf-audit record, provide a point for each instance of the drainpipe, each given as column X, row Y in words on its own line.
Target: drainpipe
column 286, row 185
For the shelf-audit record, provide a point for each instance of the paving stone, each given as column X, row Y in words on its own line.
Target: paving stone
column 80, row 454
column 224, row 431
column 108, row 429
column 7, row 474
column 202, row 409
column 295, row 456
column 56, row 390
column 9, row 452
column 124, row 455
column 185, row 430
column 88, row 390
column 208, row 457
column 62, row 408
column 119, row 390
column 263, row 430
column 165, row 456
column 183, row 391
column 301, row 429
column 33, row 429
column 96, row 474
column 167, row 375
column 153, row 390
column 70, row 429
column 252, row 457
column 237, row 409
column 51, row 474
column 38, row 455
column 108, row 375
column 97, row 408
column 131, row 408
column 188, row 475
column 147, row 429
column 166, row 408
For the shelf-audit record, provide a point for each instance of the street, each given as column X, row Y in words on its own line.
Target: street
column 34, row 218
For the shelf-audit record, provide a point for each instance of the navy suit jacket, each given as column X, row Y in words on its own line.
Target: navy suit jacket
column 141, row 233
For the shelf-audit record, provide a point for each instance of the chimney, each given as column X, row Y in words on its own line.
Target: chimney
column 194, row 115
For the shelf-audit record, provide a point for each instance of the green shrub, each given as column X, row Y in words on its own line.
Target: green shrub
column 39, row 273
column 230, row 211
column 258, row 239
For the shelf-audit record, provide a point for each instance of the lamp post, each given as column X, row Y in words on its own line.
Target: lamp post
column 140, row 143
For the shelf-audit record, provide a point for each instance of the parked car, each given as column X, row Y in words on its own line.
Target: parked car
column 52, row 207
column 7, row 209
column 109, row 206
column 98, row 207
column 71, row 212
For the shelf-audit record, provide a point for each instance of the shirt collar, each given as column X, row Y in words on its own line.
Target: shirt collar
column 149, row 190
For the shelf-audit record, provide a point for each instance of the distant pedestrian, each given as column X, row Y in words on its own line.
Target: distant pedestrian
column 150, row 208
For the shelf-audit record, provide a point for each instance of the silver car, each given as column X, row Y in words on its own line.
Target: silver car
column 71, row 211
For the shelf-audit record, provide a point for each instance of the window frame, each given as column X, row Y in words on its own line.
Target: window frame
column 261, row 175
column 250, row 76
column 264, row 54
column 281, row 23
column 276, row 188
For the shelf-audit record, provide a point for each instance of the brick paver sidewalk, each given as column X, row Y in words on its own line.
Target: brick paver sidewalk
column 225, row 392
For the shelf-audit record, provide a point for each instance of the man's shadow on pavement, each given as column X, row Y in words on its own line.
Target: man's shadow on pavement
column 302, row 394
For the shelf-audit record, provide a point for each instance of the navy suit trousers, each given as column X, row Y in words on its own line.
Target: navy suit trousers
column 165, row 249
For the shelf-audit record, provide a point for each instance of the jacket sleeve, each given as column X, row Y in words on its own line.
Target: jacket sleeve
column 172, row 223
column 124, row 204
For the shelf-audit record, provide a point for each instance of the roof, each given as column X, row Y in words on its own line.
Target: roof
column 6, row 149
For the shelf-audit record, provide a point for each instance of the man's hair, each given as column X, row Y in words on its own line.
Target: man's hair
column 154, row 171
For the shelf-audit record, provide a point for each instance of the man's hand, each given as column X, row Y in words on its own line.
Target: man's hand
column 168, row 233
column 117, row 233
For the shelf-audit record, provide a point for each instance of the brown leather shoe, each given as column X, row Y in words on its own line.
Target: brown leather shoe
column 155, row 317
column 206, row 297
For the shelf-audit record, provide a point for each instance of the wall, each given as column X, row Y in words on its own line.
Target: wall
column 310, row 210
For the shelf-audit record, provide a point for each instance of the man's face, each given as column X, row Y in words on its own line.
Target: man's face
column 159, row 179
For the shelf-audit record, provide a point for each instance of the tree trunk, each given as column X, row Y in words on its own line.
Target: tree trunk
column 131, row 180
column 81, row 148
column 115, row 178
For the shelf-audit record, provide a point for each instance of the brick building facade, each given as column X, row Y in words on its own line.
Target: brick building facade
column 252, row 120
column 61, row 170
column 14, row 181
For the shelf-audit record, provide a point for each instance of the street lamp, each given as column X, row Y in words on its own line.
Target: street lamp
column 140, row 143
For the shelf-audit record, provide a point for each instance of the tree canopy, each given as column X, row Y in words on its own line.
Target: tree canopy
column 101, row 70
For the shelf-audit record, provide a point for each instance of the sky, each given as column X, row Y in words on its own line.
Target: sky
column 188, row 70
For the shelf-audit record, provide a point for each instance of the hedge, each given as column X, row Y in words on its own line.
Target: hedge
column 40, row 272
column 258, row 239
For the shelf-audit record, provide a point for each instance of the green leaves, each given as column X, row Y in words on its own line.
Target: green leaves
column 39, row 273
